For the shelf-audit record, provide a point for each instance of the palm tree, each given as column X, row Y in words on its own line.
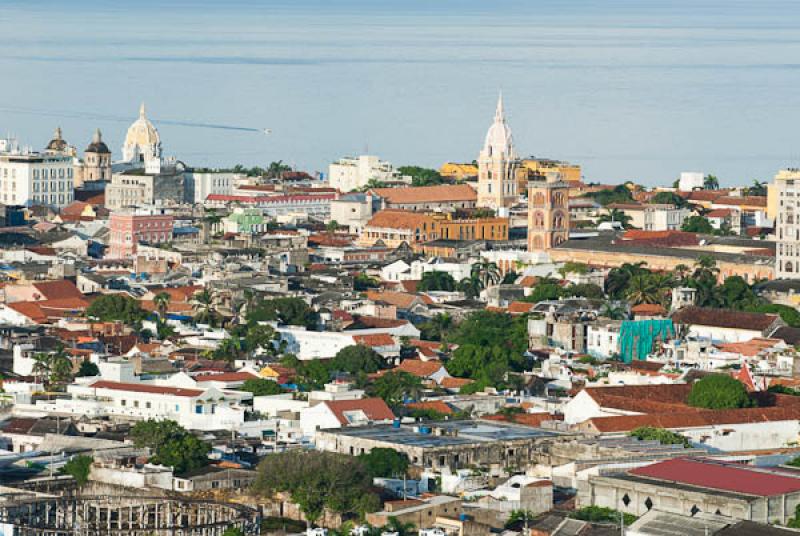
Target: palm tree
column 277, row 169
column 705, row 267
column 207, row 314
column 710, row 182
column 662, row 285
column 470, row 286
column 641, row 290
column 616, row 215
column 682, row 273
column 161, row 301
column 60, row 368
column 41, row 366
column 486, row 272
column 613, row 310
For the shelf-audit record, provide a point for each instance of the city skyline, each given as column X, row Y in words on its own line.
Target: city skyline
column 639, row 93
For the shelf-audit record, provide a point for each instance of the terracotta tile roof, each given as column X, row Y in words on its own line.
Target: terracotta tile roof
column 724, row 318
column 748, row 200
column 339, row 314
column 643, row 398
column 529, row 281
column 750, row 348
column 722, row 476
column 226, row 377
column 41, row 250
column 648, row 309
column 694, row 419
column 664, row 238
column 520, row 307
column 56, row 290
column 455, row 383
column 398, row 219
column 69, row 304
column 374, row 408
column 719, row 213
column 410, row 285
column 427, row 194
column 439, row 406
column 401, row 300
column 626, row 206
column 172, row 307
column 144, row 388
column 30, row 310
column 527, row 419
column 703, row 195
column 419, row 368
column 375, row 340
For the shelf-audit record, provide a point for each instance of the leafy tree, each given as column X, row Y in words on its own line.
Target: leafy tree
column 78, row 467
column 697, row 224
column 233, row 531
column 487, row 328
column 618, row 278
column 519, row 517
column 362, row 282
column 437, row 328
column 259, row 336
column 545, row 290
column 317, row 481
column 571, row 267
column 735, row 293
column 710, row 182
column 332, row 226
column 88, row 368
column 394, row 387
column 436, row 281
column 619, row 194
column 113, row 307
column 357, row 358
column 668, row 198
column 288, row 311
column 171, row 445
column 396, row 526
column 261, row 387
column 598, row 514
column 421, row 176
column 665, row 437
column 229, row 350
column 584, row 290
column 483, row 363
column 510, row 278
column 384, row 462
column 719, row 391
column 757, row 189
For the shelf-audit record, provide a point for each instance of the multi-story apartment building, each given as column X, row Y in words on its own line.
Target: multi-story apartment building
column 200, row 184
column 352, row 173
column 786, row 190
column 135, row 188
column 128, row 228
column 32, row 178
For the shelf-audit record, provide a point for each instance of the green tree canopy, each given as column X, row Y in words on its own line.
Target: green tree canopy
column 171, row 445
column 288, row 311
column 78, row 467
column 665, row 437
column 362, row 282
column 384, row 462
column 719, row 391
column 88, row 368
column 394, row 387
column 317, row 481
column 357, row 358
column 421, row 176
column 261, row 387
column 111, row 307
column 697, row 224
column 437, row 281
column 668, row 198
column 619, row 194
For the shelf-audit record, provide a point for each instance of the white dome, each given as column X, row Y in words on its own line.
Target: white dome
column 499, row 140
column 142, row 139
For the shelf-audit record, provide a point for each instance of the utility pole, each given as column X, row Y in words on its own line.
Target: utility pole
column 622, row 524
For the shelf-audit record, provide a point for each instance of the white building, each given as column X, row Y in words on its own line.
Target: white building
column 28, row 177
column 787, row 224
column 602, row 339
column 341, row 413
column 664, row 217
column 199, row 185
column 690, row 180
column 352, row 173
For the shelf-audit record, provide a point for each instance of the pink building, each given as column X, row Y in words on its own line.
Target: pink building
column 127, row 229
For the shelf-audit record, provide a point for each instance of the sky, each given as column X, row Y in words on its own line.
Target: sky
column 629, row 89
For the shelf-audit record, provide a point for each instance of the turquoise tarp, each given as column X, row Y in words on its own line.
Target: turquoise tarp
column 637, row 337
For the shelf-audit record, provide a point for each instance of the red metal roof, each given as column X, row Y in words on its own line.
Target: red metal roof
column 720, row 476
column 144, row 388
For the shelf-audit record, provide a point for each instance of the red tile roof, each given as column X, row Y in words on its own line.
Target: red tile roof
column 724, row 318
column 57, row 290
column 402, row 300
column 438, row 406
column 455, row 383
column 721, row 476
column 30, row 310
column 427, row 194
column 374, row 408
column 719, row 213
column 517, row 308
column 144, row 388
column 748, row 200
column 648, row 309
column 375, row 340
column 226, row 377
column 419, row 368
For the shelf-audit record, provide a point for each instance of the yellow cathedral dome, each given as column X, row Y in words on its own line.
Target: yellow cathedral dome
column 142, row 139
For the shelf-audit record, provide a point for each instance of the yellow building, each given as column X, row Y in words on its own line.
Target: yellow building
column 393, row 227
column 541, row 166
column 458, row 172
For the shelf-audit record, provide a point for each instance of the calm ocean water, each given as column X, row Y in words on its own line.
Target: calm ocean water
column 635, row 89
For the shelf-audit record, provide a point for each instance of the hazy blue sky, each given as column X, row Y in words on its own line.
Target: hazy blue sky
column 635, row 89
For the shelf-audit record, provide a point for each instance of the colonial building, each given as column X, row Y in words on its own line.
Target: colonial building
column 548, row 213
column 498, row 165
column 393, row 227
column 442, row 197
column 96, row 165
column 128, row 229
column 142, row 145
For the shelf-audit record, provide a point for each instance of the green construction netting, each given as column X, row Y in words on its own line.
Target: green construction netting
column 636, row 337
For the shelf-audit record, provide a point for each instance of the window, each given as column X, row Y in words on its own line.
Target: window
column 147, row 405
column 122, row 402
column 135, row 403
column 626, row 500
column 198, row 409
column 648, row 503
column 695, row 510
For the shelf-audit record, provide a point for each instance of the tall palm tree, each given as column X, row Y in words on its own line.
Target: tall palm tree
column 41, row 366
column 161, row 301
column 682, row 273
column 710, row 182
column 613, row 310
column 207, row 314
column 662, row 285
column 705, row 267
column 60, row 368
column 487, row 272
column 641, row 290
column 400, row 528
column 470, row 286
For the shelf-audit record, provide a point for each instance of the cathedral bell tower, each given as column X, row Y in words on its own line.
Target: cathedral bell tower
column 548, row 212
column 498, row 165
